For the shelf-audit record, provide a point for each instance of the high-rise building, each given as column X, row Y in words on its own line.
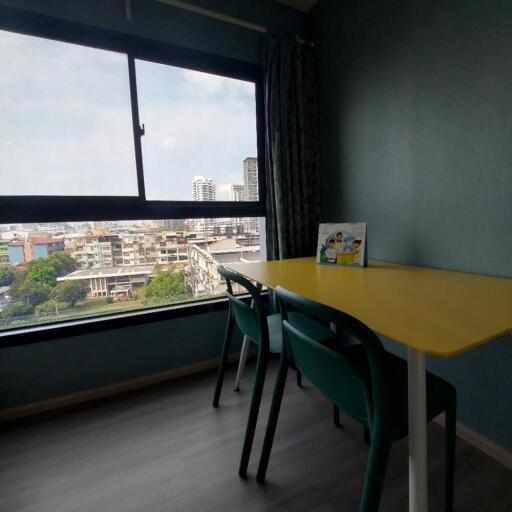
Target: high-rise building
column 203, row 189
column 236, row 192
column 250, row 165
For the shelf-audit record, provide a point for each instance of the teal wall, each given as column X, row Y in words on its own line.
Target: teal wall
column 50, row 369
column 416, row 140
column 47, row 370
column 164, row 23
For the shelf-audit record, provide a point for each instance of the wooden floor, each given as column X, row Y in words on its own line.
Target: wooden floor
column 166, row 449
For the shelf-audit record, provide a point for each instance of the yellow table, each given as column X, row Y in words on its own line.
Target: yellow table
column 430, row 311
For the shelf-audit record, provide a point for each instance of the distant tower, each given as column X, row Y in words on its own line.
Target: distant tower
column 251, row 179
column 203, row 189
column 250, row 165
column 236, row 192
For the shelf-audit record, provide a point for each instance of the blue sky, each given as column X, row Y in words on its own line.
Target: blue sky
column 66, row 123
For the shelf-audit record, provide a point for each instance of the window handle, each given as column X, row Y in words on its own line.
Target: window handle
column 142, row 130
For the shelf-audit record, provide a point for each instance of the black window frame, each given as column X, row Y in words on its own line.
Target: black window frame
column 28, row 209
column 20, row 209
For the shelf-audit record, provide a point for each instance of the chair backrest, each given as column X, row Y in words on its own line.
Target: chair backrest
column 251, row 320
column 334, row 374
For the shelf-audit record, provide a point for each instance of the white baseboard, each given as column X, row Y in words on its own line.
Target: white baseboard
column 23, row 411
column 481, row 442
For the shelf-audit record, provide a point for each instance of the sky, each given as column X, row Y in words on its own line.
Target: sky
column 66, row 125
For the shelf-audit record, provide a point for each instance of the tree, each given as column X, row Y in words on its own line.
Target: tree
column 31, row 293
column 48, row 307
column 166, row 284
column 70, row 292
column 7, row 276
column 18, row 308
column 39, row 271
column 62, row 262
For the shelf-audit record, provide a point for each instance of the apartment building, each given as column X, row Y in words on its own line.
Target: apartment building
column 202, row 275
column 112, row 281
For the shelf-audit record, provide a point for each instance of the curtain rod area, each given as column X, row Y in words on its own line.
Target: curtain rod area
column 186, row 6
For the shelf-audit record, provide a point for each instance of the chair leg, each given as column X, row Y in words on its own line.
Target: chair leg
column 299, row 379
column 376, row 470
column 450, row 439
column 259, row 381
column 336, row 415
column 367, row 437
column 272, row 418
column 223, row 361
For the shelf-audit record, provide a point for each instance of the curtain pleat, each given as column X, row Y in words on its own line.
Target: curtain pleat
column 292, row 149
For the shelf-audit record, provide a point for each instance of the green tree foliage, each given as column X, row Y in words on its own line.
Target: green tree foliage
column 166, row 284
column 70, row 292
column 7, row 276
column 31, row 293
column 40, row 271
column 46, row 308
column 17, row 308
column 62, row 262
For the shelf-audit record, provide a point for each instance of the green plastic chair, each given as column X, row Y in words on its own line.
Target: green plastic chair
column 266, row 332
column 366, row 381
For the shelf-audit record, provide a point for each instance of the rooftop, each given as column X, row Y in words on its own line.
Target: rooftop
column 46, row 240
column 91, row 273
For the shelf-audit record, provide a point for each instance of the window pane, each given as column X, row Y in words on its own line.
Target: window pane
column 200, row 141
column 66, row 271
column 66, row 126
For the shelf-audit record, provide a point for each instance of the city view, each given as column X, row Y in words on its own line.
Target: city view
column 60, row 271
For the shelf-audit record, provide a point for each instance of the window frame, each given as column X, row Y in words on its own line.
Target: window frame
column 21, row 209
column 26, row 209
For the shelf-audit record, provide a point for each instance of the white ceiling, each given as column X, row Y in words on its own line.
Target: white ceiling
column 302, row 5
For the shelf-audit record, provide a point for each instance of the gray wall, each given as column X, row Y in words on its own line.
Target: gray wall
column 416, row 140
column 51, row 369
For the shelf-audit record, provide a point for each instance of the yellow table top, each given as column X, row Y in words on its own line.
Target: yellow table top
column 438, row 312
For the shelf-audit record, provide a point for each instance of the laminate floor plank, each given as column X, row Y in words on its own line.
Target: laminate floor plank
column 166, row 449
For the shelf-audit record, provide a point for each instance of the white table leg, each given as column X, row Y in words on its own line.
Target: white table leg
column 241, row 363
column 418, row 488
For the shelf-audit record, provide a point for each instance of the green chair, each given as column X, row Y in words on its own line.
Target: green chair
column 266, row 332
column 366, row 381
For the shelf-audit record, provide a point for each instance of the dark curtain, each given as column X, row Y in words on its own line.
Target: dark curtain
column 292, row 154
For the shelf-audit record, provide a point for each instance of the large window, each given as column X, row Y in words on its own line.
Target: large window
column 98, row 127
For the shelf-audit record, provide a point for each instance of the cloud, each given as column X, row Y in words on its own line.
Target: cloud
column 169, row 142
column 213, row 84
column 70, row 132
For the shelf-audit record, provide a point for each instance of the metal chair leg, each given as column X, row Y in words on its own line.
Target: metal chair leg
column 336, row 416
column 376, row 470
column 272, row 419
column 259, row 381
column 223, row 361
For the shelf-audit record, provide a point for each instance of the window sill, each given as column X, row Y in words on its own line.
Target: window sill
column 40, row 333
